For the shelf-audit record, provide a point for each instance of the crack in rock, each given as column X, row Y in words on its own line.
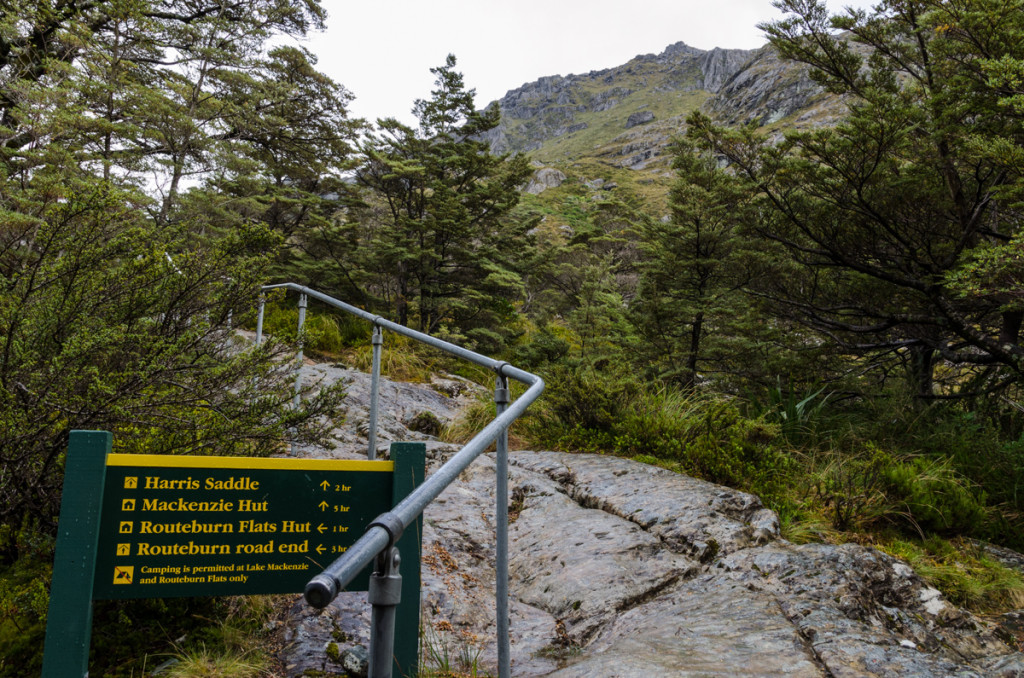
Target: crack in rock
column 692, row 517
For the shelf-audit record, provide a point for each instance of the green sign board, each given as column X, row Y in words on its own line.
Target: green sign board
column 194, row 526
column 154, row 526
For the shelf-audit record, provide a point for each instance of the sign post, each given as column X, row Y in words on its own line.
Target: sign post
column 155, row 526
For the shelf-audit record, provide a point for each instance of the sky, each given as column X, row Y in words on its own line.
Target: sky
column 382, row 51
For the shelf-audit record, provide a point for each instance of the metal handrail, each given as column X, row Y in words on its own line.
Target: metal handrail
column 383, row 532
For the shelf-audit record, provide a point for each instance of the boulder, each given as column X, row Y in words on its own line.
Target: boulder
column 544, row 179
column 639, row 118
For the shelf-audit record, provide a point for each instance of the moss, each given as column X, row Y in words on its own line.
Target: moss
column 426, row 422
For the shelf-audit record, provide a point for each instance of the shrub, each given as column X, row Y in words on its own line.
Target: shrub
column 587, row 401
column 938, row 498
column 703, row 436
column 862, row 490
column 322, row 331
column 851, row 489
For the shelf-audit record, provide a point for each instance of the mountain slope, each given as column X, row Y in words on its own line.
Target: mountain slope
column 626, row 116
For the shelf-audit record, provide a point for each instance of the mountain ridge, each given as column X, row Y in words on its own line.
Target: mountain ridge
column 627, row 115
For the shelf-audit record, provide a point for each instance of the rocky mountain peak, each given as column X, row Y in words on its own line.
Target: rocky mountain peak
column 556, row 106
column 682, row 49
column 627, row 115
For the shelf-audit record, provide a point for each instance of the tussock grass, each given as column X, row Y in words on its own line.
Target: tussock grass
column 445, row 655
column 201, row 662
column 398, row 361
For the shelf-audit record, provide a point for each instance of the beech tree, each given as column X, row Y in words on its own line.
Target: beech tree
column 117, row 298
column 443, row 252
column 102, row 330
column 172, row 95
column 879, row 212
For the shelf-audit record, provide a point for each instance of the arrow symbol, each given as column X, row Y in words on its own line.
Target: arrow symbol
column 322, row 528
column 325, row 485
column 323, row 505
column 320, row 549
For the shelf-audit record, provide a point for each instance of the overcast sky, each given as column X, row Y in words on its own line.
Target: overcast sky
column 382, row 51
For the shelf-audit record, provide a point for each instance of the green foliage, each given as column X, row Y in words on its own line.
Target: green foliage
column 964, row 574
column 434, row 242
column 546, row 346
column 401, row 359
column 708, row 438
column 201, row 662
column 111, row 323
column 693, row 272
column 938, row 499
column 128, row 90
column 703, row 436
column 795, row 414
column 195, row 636
column 130, row 637
column 588, row 400
column 24, row 599
column 323, row 332
column 949, row 468
column 874, row 213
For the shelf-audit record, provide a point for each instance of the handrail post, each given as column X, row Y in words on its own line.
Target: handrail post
column 381, row 534
column 384, row 594
column 501, row 400
column 377, row 340
column 259, row 319
column 303, row 302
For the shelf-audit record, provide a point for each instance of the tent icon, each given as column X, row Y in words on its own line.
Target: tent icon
column 124, row 575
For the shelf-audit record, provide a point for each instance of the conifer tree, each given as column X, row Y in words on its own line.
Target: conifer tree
column 442, row 252
column 690, row 303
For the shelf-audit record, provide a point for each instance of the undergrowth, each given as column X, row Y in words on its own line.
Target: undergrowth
column 444, row 655
column 185, row 637
column 924, row 483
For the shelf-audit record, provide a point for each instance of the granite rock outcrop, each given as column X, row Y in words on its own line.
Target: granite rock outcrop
column 622, row 569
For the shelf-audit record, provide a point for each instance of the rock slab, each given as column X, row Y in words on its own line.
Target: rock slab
column 619, row 569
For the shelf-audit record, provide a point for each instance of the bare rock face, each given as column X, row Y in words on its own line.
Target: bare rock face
column 639, row 118
column 767, row 89
column 550, row 107
column 622, row 569
column 544, row 179
column 718, row 65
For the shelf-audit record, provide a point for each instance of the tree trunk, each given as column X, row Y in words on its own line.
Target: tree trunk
column 1010, row 331
column 691, row 360
column 921, row 371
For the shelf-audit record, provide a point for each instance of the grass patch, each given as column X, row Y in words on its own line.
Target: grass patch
column 324, row 331
column 962, row 572
column 444, row 655
column 189, row 637
column 201, row 662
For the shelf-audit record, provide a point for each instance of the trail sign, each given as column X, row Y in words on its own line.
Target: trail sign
column 193, row 526
column 156, row 526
